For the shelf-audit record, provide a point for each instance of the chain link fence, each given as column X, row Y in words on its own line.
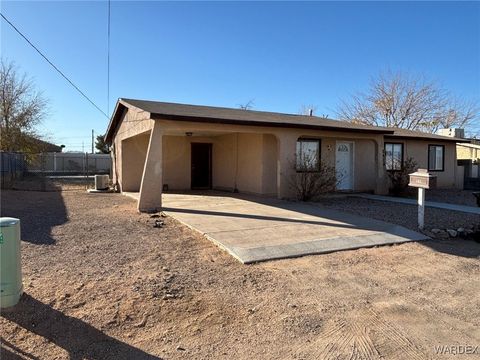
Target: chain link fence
column 12, row 168
column 52, row 171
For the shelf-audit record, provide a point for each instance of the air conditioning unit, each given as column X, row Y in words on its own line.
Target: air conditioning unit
column 101, row 182
column 452, row 132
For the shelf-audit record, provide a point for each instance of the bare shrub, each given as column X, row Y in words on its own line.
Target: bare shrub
column 311, row 179
column 399, row 178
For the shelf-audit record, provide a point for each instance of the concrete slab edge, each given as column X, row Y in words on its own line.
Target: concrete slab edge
column 279, row 252
column 323, row 246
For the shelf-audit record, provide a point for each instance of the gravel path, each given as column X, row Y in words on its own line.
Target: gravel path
column 402, row 214
column 452, row 196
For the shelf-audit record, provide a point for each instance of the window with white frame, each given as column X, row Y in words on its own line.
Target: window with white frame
column 308, row 155
column 393, row 156
column 436, row 157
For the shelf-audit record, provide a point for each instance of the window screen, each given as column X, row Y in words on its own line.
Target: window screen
column 435, row 157
column 393, row 156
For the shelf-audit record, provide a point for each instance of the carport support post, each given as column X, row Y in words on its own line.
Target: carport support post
column 421, row 208
column 150, row 199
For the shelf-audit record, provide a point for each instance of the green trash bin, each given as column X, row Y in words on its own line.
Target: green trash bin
column 11, row 287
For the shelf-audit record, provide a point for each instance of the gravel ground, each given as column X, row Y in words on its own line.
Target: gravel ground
column 102, row 283
column 452, row 196
column 39, row 183
column 402, row 214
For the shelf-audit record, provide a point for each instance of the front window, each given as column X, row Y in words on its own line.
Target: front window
column 308, row 155
column 436, row 157
column 393, row 156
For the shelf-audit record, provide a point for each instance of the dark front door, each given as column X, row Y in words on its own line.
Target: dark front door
column 201, row 166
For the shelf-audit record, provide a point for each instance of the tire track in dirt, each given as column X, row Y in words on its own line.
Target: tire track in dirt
column 434, row 307
column 361, row 336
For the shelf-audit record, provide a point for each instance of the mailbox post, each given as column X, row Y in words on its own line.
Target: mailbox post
column 422, row 180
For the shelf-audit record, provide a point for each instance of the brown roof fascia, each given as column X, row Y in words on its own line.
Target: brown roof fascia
column 211, row 120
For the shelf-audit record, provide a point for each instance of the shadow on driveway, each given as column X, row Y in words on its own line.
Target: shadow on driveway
column 79, row 339
column 255, row 217
column 315, row 210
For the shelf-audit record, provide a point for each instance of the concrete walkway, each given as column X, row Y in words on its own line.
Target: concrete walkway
column 256, row 229
column 433, row 204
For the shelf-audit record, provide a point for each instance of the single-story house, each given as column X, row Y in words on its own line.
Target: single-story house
column 158, row 146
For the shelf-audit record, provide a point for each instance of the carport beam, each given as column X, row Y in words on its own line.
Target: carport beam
column 150, row 199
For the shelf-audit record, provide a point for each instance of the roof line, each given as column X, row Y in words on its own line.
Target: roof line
column 217, row 120
column 229, row 108
column 236, row 118
column 435, row 137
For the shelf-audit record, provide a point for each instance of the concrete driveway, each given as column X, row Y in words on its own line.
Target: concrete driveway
column 254, row 229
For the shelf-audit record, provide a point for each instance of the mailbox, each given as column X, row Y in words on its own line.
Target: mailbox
column 422, row 179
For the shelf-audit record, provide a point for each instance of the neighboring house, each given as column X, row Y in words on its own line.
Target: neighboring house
column 30, row 144
column 45, row 146
column 468, row 156
column 159, row 146
column 471, row 152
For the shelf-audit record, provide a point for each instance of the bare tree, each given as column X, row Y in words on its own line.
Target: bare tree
column 22, row 110
column 248, row 105
column 409, row 102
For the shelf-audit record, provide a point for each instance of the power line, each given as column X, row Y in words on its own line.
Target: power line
column 108, row 60
column 56, row 68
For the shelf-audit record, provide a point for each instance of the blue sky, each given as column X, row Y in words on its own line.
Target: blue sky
column 281, row 54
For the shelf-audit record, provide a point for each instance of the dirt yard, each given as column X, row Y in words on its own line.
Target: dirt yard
column 102, row 283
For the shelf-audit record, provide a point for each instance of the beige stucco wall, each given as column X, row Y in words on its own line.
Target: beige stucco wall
column 134, row 152
column 134, row 122
column 364, row 165
column 465, row 152
column 225, row 162
column 364, row 171
column 246, row 162
column 253, row 168
column 269, row 165
column 250, row 163
column 418, row 150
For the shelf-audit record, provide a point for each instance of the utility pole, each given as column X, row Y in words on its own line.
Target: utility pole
column 92, row 140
